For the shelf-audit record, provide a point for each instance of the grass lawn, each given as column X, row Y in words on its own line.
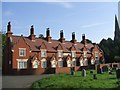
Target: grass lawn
column 104, row 80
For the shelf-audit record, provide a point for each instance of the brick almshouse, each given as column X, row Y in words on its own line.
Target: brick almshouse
column 33, row 55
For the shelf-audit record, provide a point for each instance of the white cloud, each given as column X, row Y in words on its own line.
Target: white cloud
column 94, row 24
column 7, row 13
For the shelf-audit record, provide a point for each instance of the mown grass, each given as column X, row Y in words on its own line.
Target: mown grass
column 104, row 80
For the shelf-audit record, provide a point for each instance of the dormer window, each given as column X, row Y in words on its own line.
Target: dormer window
column 43, row 53
column 96, row 54
column 22, row 52
column 85, row 53
column 73, row 54
column 60, row 53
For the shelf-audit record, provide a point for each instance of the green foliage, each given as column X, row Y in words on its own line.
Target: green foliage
column 111, row 48
column 117, row 58
column 77, row 81
column 41, row 36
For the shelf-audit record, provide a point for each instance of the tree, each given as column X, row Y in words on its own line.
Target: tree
column 41, row 36
column 117, row 58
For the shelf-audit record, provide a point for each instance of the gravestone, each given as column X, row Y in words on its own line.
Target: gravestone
column 91, row 72
column 110, row 71
column 105, row 68
column 83, row 72
column 118, row 73
column 72, row 71
column 99, row 71
column 94, row 76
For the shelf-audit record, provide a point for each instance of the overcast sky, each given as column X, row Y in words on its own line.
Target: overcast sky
column 94, row 19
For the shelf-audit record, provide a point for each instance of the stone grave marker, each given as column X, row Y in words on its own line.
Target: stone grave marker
column 118, row 73
column 83, row 72
column 94, row 76
column 105, row 68
column 99, row 71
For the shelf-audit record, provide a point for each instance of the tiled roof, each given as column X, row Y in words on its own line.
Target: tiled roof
column 34, row 45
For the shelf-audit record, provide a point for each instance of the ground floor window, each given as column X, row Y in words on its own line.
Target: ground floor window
column 35, row 64
column 43, row 63
column 22, row 64
column 60, row 63
column 85, row 62
column 54, row 63
column 81, row 62
column 68, row 63
column 92, row 61
column 74, row 62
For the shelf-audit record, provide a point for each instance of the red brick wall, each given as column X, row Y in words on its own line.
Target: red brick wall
column 63, row 70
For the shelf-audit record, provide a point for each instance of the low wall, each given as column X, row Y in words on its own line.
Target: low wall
column 63, row 70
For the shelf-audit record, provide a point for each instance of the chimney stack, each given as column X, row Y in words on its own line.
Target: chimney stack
column 62, row 39
column 32, row 36
column 32, row 30
column 83, row 39
column 48, row 37
column 9, row 30
column 73, row 38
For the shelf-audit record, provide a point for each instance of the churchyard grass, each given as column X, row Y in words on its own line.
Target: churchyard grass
column 103, row 80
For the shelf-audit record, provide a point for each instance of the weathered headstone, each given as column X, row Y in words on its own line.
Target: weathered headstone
column 83, row 72
column 110, row 71
column 94, row 76
column 91, row 72
column 99, row 71
column 118, row 73
column 72, row 71
column 105, row 68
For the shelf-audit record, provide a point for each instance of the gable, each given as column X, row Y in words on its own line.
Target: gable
column 73, row 48
column 53, row 58
column 43, row 46
column 59, row 47
column 21, row 43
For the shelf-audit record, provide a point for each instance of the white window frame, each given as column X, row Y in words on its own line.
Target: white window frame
column 85, row 53
column 43, row 50
column 81, row 62
column 96, row 54
column 60, row 53
column 69, row 63
column 34, row 65
column 42, row 61
column 60, row 61
column 74, row 62
column 53, row 63
column 21, row 66
column 73, row 54
column 85, row 61
column 20, row 52
column 92, row 61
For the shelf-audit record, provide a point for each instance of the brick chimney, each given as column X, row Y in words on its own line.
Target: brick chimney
column 73, row 38
column 9, row 30
column 62, row 39
column 83, row 39
column 32, row 36
column 48, row 37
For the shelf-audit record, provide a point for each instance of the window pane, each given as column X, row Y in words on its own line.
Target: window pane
column 22, row 64
column 43, row 53
column 60, row 53
column 60, row 63
column 44, row 64
column 22, row 51
column 85, row 54
column 73, row 54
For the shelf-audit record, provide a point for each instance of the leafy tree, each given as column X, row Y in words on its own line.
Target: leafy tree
column 117, row 58
column 41, row 36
